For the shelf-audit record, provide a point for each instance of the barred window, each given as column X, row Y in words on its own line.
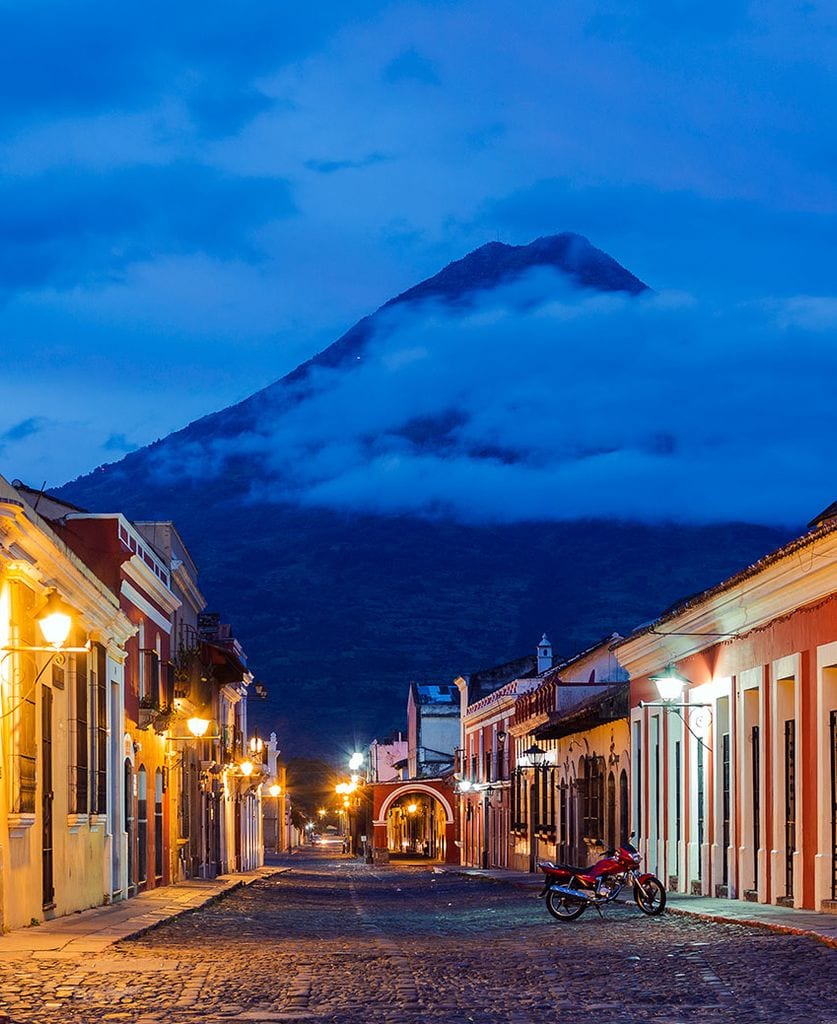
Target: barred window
column 99, row 731
column 593, row 805
column 79, row 764
column 25, row 747
column 142, row 825
column 158, row 823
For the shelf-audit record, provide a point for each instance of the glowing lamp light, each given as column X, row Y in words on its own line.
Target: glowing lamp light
column 55, row 620
column 355, row 762
column 465, row 785
column 246, row 768
column 197, row 726
column 341, row 788
column 670, row 684
column 275, row 789
column 412, row 808
column 534, row 755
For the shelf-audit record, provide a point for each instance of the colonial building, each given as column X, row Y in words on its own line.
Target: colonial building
column 189, row 805
column 432, row 728
column 734, row 731
column 124, row 560
column 61, row 702
column 487, row 755
column 186, row 812
column 386, row 758
column 565, row 800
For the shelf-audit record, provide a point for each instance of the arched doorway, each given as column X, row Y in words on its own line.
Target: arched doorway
column 414, row 820
column 416, row 828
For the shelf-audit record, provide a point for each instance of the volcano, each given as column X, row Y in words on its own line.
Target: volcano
column 396, row 509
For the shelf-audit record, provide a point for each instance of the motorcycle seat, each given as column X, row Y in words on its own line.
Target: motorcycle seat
column 570, row 869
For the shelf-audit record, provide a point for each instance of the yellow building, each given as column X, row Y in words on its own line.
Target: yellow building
column 61, row 714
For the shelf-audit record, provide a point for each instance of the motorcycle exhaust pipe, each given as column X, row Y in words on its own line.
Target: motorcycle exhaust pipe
column 576, row 894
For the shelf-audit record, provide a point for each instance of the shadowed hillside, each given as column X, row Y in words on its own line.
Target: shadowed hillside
column 339, row 609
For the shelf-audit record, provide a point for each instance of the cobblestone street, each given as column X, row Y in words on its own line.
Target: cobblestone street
column 337, row 941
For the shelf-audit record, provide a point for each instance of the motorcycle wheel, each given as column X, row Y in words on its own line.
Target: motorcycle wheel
column 653, row 900
column 562, row 908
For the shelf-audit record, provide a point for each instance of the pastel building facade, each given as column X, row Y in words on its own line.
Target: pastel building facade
column 62, row 843
column 734, row 783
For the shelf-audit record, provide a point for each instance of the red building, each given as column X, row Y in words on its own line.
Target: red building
column 415, row 818
column 122, row 558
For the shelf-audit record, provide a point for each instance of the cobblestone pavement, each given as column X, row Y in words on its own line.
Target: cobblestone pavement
column 337, row 941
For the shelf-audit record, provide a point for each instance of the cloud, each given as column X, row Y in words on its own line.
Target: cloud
column 91, row 57
column 70, row 228
column 578, row 405
column 29, row 427
column 332, row 166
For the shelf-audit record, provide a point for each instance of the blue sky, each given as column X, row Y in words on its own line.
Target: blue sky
column 195, row 197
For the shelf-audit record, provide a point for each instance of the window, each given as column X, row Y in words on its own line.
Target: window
column 593, row 797
column 99, row 732
column 158, row 823
column 142, row 825
column 79, row 761
column 24, row 751
column 611, row 811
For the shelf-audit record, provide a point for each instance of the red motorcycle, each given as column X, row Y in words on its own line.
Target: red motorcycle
column 569, row 891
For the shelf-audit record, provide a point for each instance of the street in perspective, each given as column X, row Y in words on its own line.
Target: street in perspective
column 329, row 938
column 418, row 521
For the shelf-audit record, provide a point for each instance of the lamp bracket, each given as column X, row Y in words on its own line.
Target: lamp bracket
column 669, row 705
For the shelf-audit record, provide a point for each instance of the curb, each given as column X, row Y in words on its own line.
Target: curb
column 239, row 883
column 768, row 926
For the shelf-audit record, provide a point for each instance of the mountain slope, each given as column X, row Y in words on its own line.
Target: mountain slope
column 338, row 603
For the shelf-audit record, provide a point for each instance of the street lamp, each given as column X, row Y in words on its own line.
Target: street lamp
column 198, row 726
column 535, row 755
column 670, row 684
column 246, row 768
column 275, row 790
column 55, row 620
column 534, row 759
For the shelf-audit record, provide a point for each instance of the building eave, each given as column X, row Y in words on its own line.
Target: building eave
column 801, row 573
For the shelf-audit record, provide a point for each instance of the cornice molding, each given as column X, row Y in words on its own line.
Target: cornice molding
column 801, row 578
column 49, row 562
column 141, row 576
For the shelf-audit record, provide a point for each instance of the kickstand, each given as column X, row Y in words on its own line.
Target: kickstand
column 601, row 915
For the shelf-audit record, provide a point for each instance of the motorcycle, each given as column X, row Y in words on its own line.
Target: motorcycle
column 569, row 890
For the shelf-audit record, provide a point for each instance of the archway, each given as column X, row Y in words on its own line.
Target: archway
column 416, row 828
column 414, row 822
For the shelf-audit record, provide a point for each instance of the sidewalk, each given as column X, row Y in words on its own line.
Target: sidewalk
column 94, row 930
column 822, row 927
